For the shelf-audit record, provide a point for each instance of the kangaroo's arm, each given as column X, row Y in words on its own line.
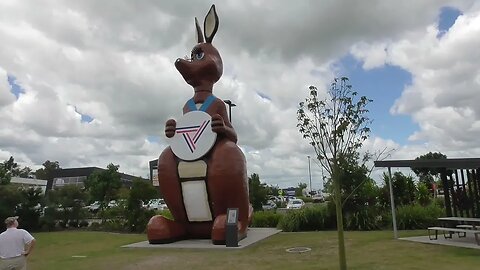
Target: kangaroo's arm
column 227, row 131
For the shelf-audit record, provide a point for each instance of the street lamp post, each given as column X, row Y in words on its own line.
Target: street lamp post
column 230, row 105
column 310, row 175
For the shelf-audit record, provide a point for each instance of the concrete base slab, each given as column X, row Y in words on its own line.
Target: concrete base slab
column 465, row 242
column 254, row 235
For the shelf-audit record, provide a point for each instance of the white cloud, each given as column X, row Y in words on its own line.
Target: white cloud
column 114, row 61
column 373, row 56
column 6, row 97
column 443, row 98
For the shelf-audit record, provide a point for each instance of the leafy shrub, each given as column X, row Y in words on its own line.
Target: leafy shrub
column 47, row 224
column 364, row 219
column 266, row 219
column 422, row 194
column 73, row 224
column 112, row 213
column 95, row 226
column 415, row 216
column 114, row 225
column 306, row 199
column 137, row 220
column 439, row 201
column 281, row 204
column 166, row 213
column 292, row 221
column 308, row 219
column 83, row 224
column 62, row 224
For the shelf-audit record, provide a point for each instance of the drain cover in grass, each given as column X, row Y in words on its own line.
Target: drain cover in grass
column 298, row 249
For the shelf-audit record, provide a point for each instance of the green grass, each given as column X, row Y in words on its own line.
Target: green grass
column 365, row 250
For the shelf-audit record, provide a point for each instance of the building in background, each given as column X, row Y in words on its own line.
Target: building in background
column 78, row 176
column 153, row 165
column 29, row 183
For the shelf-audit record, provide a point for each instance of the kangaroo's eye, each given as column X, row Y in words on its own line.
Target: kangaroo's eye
column 198, row 55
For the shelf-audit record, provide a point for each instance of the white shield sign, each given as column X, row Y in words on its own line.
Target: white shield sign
column 193, row 136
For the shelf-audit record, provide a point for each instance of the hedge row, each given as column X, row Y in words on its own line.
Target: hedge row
column 368, row 218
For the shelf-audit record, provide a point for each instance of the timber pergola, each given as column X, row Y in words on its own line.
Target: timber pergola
column 460, row 178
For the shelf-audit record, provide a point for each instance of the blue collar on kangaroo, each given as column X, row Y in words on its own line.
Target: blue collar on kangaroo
column 205, row 105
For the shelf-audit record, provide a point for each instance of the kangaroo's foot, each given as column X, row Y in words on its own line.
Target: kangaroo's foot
column 218, row 230
column 161, row 230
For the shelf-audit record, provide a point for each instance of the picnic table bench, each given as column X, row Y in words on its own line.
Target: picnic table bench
column 467, row 225
column 447, row 233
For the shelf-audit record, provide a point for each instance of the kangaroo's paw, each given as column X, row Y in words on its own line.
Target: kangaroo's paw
column 161, row 230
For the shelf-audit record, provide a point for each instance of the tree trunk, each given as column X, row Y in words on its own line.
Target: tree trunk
column 338, row 206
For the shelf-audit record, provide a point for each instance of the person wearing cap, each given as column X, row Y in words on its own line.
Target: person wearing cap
column 15, row 245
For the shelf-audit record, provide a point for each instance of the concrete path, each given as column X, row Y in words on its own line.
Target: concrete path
column 254, row 235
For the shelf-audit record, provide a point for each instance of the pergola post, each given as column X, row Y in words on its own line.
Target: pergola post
column 446, row 191
column 392, row 203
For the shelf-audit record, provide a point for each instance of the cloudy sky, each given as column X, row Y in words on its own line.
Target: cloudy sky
column 88, row 83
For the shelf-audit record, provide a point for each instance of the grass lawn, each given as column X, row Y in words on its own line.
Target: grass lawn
column 365, row 250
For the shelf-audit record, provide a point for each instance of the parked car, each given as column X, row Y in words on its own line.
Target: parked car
column 157, row 204
column 295, row 204
column 318, row 198
column 112, row 203
column 94, row 207
column 269, row 205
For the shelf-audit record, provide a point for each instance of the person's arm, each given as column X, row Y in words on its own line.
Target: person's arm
column 29, row 247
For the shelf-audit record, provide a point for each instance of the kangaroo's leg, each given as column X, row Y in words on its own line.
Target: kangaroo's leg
column 228, row 187
column 159, row 228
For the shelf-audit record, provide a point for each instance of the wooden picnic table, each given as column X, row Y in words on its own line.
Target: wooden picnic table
column 464, row 222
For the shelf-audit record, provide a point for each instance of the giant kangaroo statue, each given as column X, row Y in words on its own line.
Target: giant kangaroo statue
column 203, row 172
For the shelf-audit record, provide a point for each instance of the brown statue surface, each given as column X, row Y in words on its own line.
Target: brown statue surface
column 218, row 180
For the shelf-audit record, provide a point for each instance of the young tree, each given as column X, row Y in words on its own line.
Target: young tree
column 71, row 198
column 5, row 176
column 7, row 169
column 12, row 168
column 336, row 127
column 10, row 197
column 30, row 208
column 103, row 185
column 257, row 192
column 141, row 192
column 25, row 172
column 403, row 187
column 272, row 190
column 356, row 186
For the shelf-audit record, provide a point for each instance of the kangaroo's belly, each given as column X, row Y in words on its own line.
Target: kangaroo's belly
column 194, row 190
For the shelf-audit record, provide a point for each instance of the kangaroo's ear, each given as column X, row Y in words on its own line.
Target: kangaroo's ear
column 199, row 31
column 211, row 24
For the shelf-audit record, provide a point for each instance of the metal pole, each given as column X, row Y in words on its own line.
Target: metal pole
column 392, row 203
column 310, row 174
column 230, row 105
